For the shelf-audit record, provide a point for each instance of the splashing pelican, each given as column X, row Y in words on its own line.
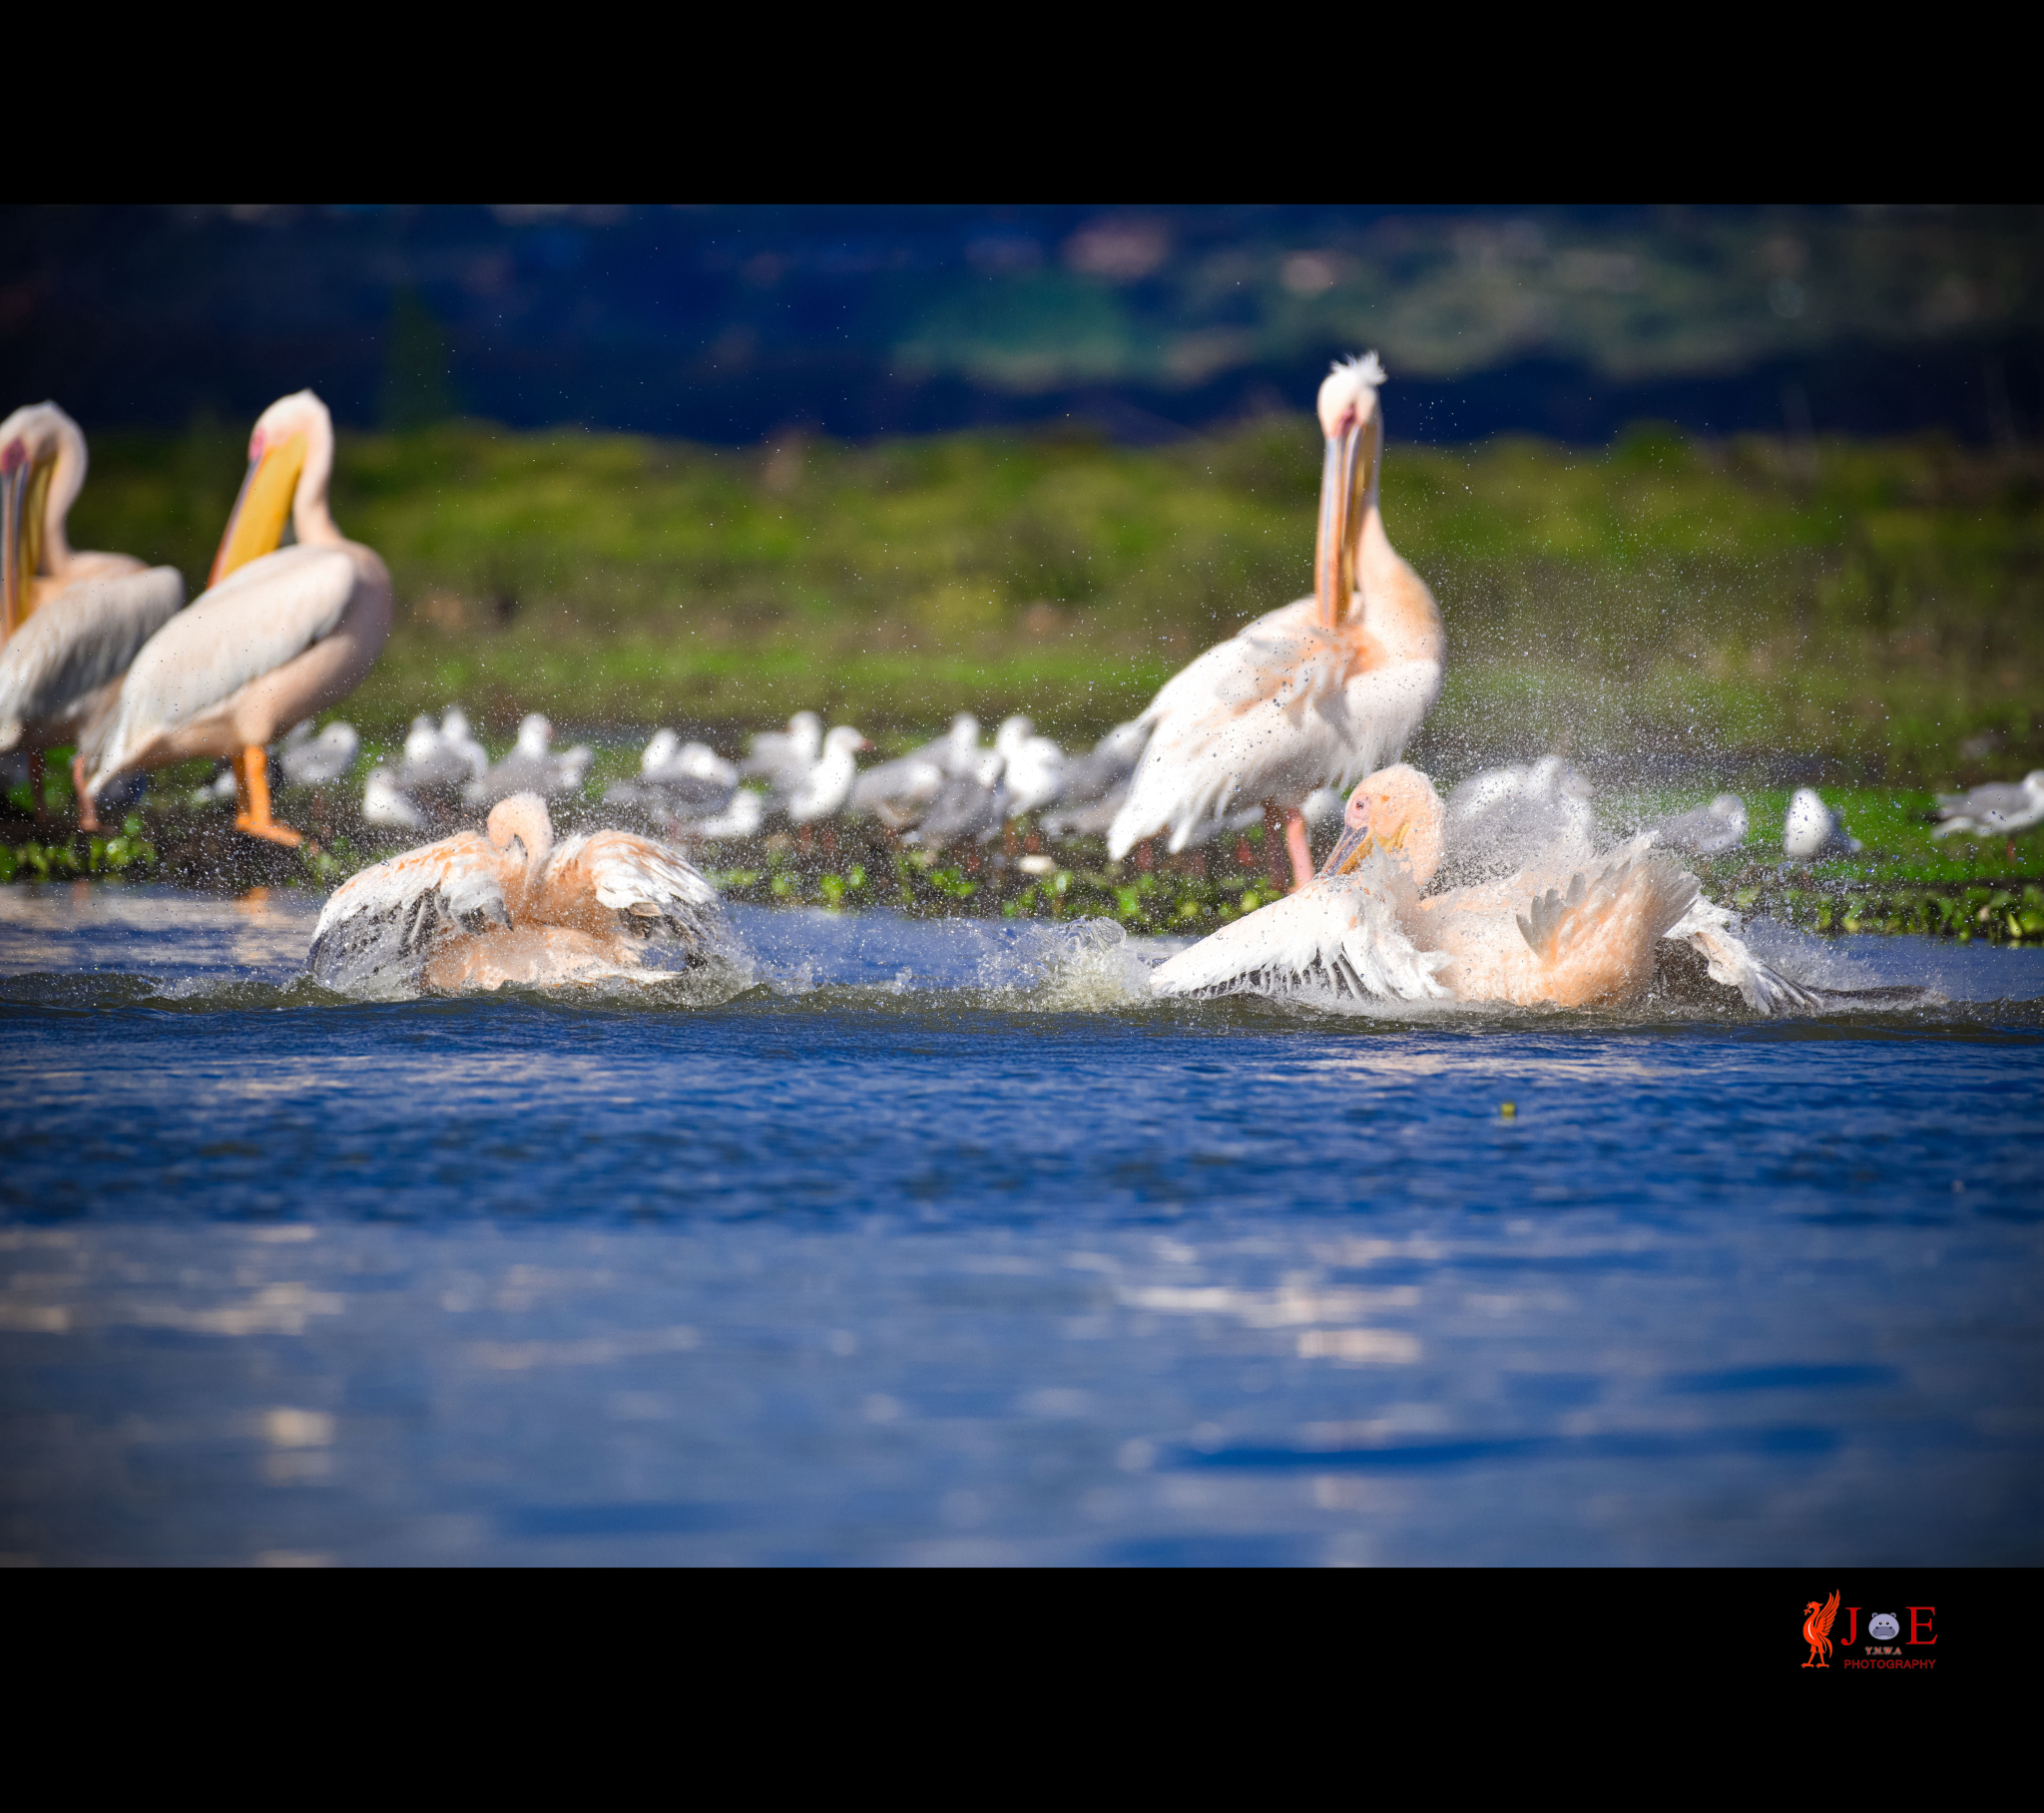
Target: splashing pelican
column 509, row 906
column 1309, row 696
column 1572, row 936
column 71, row 622
column 280, row 634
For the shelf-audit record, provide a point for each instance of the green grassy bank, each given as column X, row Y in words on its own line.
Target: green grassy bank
column 1871, row 610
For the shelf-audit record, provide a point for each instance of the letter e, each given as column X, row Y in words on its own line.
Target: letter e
column 1915, row 1623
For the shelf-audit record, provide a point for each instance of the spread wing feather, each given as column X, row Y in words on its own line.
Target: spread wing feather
column 78, row 641
column 1282, row 707
column 1337, row 935
column 249, row 625
column 378, row 929
column 652, row 888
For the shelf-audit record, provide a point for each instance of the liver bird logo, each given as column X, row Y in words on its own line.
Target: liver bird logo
column 1816, row 1631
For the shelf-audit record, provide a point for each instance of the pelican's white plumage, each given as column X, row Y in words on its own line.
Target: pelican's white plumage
column 1316, row 694
column 509, row 906
column 59, row 670
column 1339, row 937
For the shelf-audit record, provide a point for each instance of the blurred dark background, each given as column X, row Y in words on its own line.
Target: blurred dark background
column 731, row 324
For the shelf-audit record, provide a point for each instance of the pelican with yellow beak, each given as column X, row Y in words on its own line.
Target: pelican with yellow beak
column 1314, row 694
column 70, row 621
column 280, row 633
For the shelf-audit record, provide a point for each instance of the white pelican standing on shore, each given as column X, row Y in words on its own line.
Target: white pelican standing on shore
column 71, row 622
column 1582, row 934
column 1314, row 694
column 282, row 634
column 508, row 906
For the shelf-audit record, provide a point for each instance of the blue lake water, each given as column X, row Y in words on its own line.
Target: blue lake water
column 938, row 1243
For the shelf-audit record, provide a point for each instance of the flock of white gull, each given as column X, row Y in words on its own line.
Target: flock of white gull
column 1507, row 891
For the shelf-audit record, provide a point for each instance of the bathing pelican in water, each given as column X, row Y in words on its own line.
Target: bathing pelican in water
column 1572, row 936
column 510, row 906
column 71, row 622
column 1312, row 695
column 282, row 634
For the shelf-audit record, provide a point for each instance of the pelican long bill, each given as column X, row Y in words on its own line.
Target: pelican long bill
column 24, row 487
column 256, row 527
column 1333, row 556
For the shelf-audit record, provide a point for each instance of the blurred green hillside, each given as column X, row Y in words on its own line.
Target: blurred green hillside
column 1871, row 606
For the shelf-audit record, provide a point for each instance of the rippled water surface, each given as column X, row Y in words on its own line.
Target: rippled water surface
column 938, row 1242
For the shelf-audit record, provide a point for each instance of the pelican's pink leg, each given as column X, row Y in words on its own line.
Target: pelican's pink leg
column 88, row 812
column 1301, row 851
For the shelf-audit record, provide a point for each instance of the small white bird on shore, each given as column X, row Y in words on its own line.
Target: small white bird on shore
column 1813, row 830
column 1997, row 810
column 319, row 761
column 1708, row 830
column 1035, row 765
column 822, row 789
column 779, row 756
column 385, row 805
column 533, row 766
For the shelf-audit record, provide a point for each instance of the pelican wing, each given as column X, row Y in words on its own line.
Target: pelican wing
column 1274, row 712
column 84, row 637
column 249, row 625
column 379, row 928
column 1712, row 932
column 646, row 888
column 1337, row 935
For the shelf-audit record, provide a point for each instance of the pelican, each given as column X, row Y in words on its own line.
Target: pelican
column 1812, row 830
column 1312, row 695
column 509, row 906
column 1994, row 811
column 1547, row 936
column 71, row 622
column 280, row 634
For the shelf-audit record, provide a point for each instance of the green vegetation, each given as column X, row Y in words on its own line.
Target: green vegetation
column 1871, row 606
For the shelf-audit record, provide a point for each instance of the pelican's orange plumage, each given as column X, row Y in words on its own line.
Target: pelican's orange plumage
column 510, row 907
